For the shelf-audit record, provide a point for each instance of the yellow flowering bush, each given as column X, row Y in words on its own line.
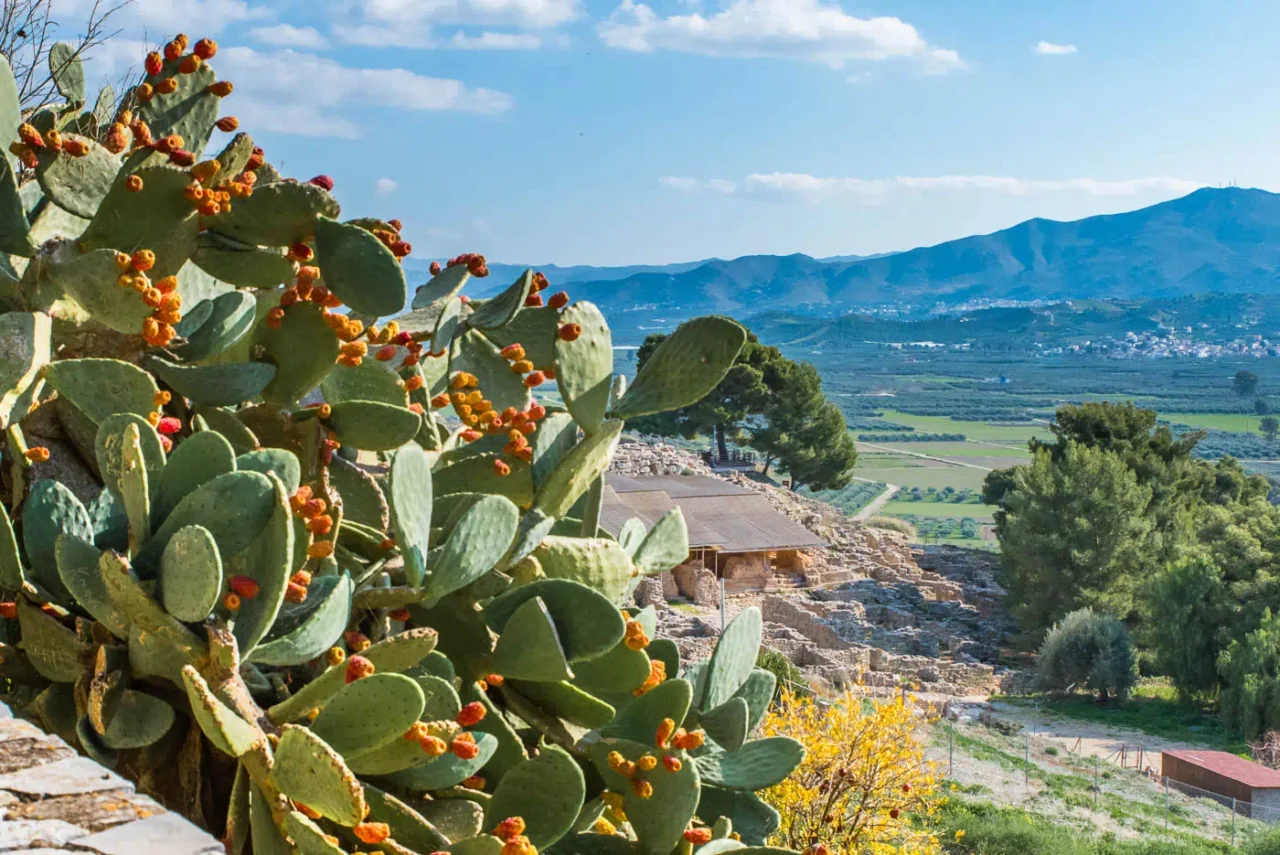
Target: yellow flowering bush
column 864, row 786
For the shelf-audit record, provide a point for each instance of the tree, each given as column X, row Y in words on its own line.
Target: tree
column 1261, row 407
column 1073, row 533
column 802, row 430
column 823, row 454
column 1088, row 650
column 28, row 33
column 1245, row 383
column 1269, row 426
column 723, row 412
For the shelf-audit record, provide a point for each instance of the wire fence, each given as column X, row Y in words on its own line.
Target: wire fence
column 1126, row 785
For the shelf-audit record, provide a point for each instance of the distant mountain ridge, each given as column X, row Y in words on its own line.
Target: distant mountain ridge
column 1211, row 241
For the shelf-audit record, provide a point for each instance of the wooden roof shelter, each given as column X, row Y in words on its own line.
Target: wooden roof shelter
column 720, row 515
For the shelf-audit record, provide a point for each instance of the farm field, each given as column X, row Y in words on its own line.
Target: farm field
column 962, row 449
column 974, row 430
column 1234, row 422
column 909, row 472
column 956, row 510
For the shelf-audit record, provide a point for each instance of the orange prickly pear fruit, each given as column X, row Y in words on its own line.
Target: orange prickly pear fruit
column 358, row 668
column 133, row 184
column 221, row 89
column 29, row 135
column 154, row 63
column 167, row 86
column 570, row 332
column 36, row 454
column 533, row 301
column 558, row 300
column 205, row 49
column 190, row 65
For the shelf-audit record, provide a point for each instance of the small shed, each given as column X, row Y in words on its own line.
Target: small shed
column 733, row 531
column 1255, row 788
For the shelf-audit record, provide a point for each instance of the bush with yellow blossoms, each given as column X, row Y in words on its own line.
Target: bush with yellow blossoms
column 864, row 786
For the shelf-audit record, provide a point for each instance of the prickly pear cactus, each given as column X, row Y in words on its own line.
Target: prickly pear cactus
column 262, row 547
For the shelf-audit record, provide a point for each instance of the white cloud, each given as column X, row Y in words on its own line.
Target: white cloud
column 496, row 41
column 289, row 36
column 693, row 185
column 790, row 29
column 1051, row 49
column 385, row 186
column 409, row 23
column 164, row 18
column 298, row 93
column 810, row 188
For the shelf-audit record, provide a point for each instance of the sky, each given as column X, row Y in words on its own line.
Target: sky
column 624, row 132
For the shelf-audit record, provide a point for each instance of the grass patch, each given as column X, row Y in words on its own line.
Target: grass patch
column 991, row 830
column 909, row 472
column 1152, row 708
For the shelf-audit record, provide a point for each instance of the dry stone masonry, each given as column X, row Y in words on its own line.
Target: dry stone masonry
column 51, row 798
column 870, row 608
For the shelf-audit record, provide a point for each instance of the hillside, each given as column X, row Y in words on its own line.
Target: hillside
column 1213, row 240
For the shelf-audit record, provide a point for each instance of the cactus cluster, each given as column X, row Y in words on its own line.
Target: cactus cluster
column 323, row 584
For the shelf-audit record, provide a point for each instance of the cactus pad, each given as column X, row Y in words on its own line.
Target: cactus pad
column 317, row 633
column 373, row 426
column 529, row 648
column 441, row 286
column 198, row 459
column 307, row 770
column 666, row 546
column 276, row 214
column 362, row 498
column 359, row 269
column 231, row 316
column 371, row 380
column 638, row 721
column 584, row 366
column 408, row 827
column 447, row 770
column 303, row 349
column 476, row 544
column 273, row 461
column 214, row 385
column 190, row 574
column 53, row 649
column 158, row 217
column 727, row 723
column 139, row 720
column 597, row 562
column 228, row 732
column 240, row 264
column 577, row 470
column 588, row 624
column 684, row 368
column 547, row 791
column 503, row 308
column 369, row 713
column 474, row 353
column 733, row 658
column 77, row 184
column 660, row 820
column 234, row 507
column 50, row 510
column 102, row 387
column 755, row 766
column 566, row 701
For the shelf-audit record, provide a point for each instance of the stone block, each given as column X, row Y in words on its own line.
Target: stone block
column 165, row 834
column 63, row 778
column 44, row 834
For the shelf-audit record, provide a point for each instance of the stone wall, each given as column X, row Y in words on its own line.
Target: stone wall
column 53, row 799
column 636, row 458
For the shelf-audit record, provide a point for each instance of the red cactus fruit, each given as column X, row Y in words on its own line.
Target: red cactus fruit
column 154, row 63
column 471, row 714
column 358, row 668
column 205, row 49
column 244, row 586
column 36, row 454
column 227, row 124
column 324, row 182
column 169, row 426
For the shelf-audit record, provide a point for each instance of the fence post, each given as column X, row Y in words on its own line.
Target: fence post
column 1095, row 781
column 1233, row 823
column 722, row 604
column 951, row 748
column 1166, row 802
column 1026, row 759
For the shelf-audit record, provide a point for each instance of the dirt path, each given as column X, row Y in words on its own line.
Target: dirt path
column 890, row 490
column 1089, row 739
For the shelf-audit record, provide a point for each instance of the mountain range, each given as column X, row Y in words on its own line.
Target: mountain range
column 1224, row 240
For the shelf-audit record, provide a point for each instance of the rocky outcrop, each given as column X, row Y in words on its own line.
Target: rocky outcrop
column 871, row 608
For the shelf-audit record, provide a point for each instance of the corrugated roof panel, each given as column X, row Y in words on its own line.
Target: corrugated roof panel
column 1230, row 766
column 720, row 515
column 678, row 486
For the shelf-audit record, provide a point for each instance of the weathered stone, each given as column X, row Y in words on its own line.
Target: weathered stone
column 63, row 778
column 164, row 834
column 45, row 834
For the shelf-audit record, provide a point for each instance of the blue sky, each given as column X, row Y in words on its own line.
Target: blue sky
column 619, row 132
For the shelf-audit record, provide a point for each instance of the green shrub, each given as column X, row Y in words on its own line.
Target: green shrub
column 991, row 830
column 786, row 672
column 1088, row 650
